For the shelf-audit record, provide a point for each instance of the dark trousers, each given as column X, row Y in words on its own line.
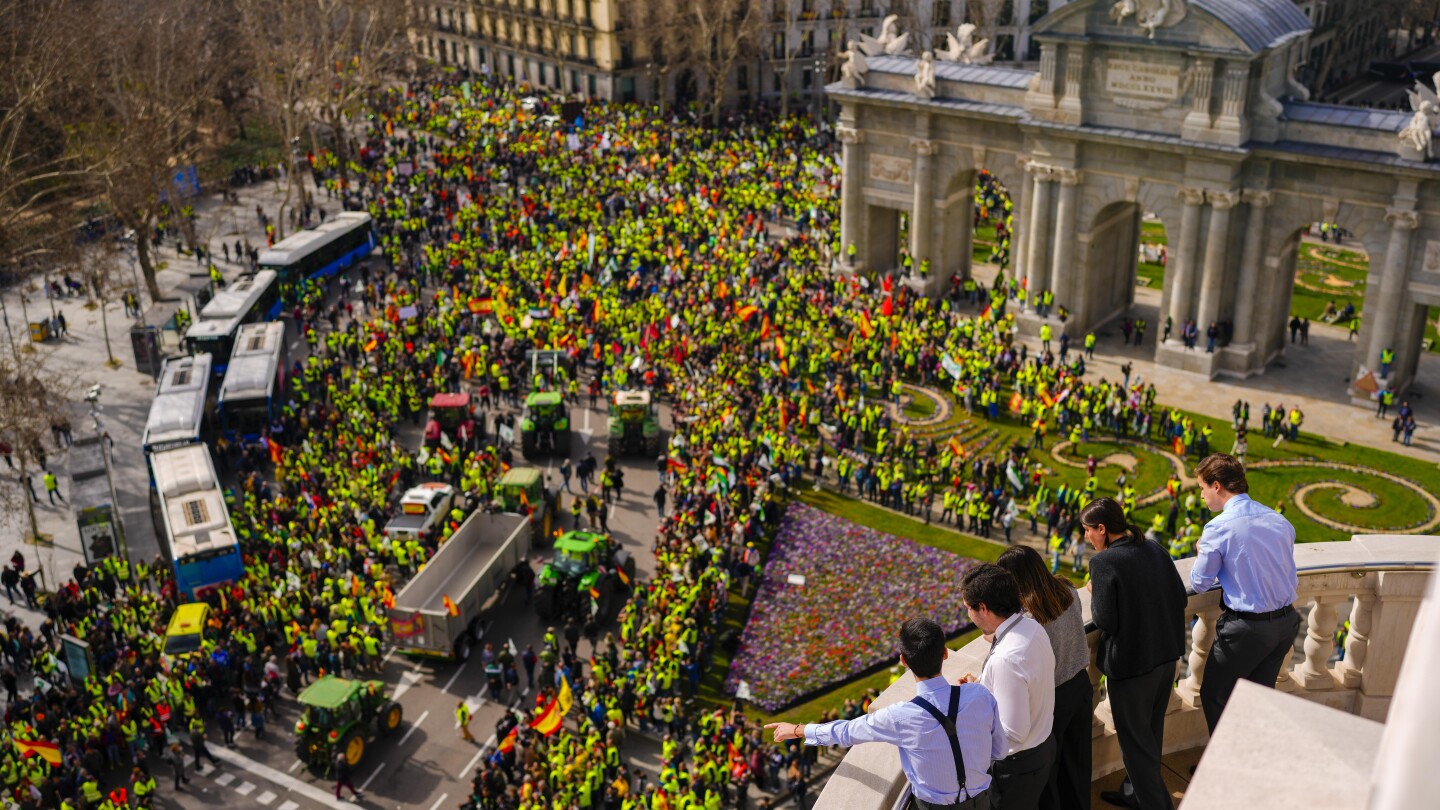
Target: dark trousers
column 980, row 801
column 1017, row 780
column 1138, row 706
column 1253, row 649
column 1069, row 785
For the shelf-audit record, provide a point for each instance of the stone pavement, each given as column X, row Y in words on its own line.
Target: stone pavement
column 80, row 357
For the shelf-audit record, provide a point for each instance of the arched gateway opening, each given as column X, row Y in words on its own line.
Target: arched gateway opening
column 1195, row 125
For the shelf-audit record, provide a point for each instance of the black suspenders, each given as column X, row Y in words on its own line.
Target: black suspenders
column 947, row 722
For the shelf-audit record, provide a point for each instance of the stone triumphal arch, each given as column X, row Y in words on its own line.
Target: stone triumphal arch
column 1184, row 109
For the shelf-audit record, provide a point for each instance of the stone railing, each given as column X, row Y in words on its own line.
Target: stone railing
column 1384, row 575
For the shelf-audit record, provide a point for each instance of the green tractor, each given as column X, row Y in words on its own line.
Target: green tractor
column 342, row 715
column 588, row 572
column 545, row 424
column 634, row 424
column 521, row 491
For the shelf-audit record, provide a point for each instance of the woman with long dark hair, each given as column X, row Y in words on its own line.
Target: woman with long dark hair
column 1053, row 602
column 1138, row 603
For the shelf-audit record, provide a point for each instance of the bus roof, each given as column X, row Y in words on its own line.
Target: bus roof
column 254, row 361
column 179, row 404
column 238, row 297
column 291, row 249
column 193, row 506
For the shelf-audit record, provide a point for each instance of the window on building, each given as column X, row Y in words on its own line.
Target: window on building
column 775, row 82
column 942, row 13
column 627, row 55
column 867, row 9
column 807, row 43
column 627, row 89
column 574, row 81
column 807, row 78
column 778, row 49
column 742, row 78
column 589, row 47
column 590, row 84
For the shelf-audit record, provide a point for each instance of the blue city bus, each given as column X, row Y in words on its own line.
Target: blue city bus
column 248, row 299
column 252, row 392
column 198, row 540
column 320, row 252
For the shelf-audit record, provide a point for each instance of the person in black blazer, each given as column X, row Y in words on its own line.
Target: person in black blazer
column 1138, row 603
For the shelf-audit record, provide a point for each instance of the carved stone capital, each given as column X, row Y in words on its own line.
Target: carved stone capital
column 1067, row 177
column 1042, row 171
column 1191, row 196
column 925, row 146
column 1402, row 219
column 1258, row 196
column 1222, row 200
column 849, row 135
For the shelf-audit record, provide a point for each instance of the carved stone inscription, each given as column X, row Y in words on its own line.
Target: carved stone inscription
column 1145, row 80
column 890, row 169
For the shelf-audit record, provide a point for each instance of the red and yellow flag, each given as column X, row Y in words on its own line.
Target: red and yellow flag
column 450, row 605
column 863, row 321
column 956, row 448
column 744, row 313
column 549, row 719
column 50, row 752
column 508, row 744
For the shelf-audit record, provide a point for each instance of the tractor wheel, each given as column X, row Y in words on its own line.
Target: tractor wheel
column 527, row 445
column 615, row 447
column 652, row 447
column 462, row 649
column 353, row 747
column 302, row 751
column 606, row 604
column 545, row 602
column 389, row 719
column 562, row 442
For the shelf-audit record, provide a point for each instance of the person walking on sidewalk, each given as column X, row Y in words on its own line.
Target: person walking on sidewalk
column 197, row 741
column 52, row 487
column 176, row 758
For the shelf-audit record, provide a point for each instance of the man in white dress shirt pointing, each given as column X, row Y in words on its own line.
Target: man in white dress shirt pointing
column 1020, row 672
column 947, row 735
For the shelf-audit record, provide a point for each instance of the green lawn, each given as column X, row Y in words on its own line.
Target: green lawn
column 921, row 407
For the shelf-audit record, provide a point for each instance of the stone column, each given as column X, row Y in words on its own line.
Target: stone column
column 1250, row 266
column 1232, row 100
column 1216, row 249
column 1037, row 263
column 1183, row 279
column 1072, row 103
column 1386, row 309
column 852, row 194
column 1062, row 273
column 922, row 206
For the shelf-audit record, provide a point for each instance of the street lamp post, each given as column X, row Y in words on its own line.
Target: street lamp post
column 93, row 397
column 821, row 63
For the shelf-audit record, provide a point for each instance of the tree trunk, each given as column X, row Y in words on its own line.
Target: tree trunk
column 147, row 265
column 105, row 326
column 27, row 486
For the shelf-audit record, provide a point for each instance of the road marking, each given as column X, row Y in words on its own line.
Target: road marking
column 366, row 786
column 586, row 428
column 225, row 779
column 386, row 659
column 415, row 725
column 288, row 805
column 266, row 797
column 435, row 806
column 451, row 682
column 246, row 788
column 296, row 764
column 407, row 680
column 283, row 780
column 483, row 748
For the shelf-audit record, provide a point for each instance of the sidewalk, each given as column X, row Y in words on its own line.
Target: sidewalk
column 79, row 358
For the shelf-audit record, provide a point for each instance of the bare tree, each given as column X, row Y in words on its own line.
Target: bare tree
column 38, row 394
column 725, row 32
column 667, row 43
column 140, row 99
column 985, row 14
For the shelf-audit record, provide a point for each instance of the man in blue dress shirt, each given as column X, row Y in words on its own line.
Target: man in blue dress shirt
column 1249, row 549
column 945, row 770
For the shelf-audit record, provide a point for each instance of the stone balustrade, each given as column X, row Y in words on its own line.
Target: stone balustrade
column 1382, row 577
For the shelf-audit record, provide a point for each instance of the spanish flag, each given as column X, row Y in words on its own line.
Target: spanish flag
column 780, row 347
column 676, row 465
column 956, row 448
column 548, row 721
column 482, row 305
column 50, row 752
column 276, row 451
column 744, row 313
column 450, row 605
column 371, row 344
column 863, row 321
column 508, row 744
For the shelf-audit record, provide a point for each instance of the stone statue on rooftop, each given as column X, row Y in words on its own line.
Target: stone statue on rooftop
column 1419, row 133
column 890, row 42
column 925, row 76
column 854, row 68
column 1150, row 14
column 961, row 47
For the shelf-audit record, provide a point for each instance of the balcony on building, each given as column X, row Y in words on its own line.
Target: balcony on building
column 1347, row 726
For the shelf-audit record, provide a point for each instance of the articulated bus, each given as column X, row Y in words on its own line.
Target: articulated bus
column 198, row 539
column 320, row 252
column 253, row 390
column 177, row 414
column 248, row 299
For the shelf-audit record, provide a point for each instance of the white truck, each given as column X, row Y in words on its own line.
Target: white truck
column 422, row 510
column 438, row 613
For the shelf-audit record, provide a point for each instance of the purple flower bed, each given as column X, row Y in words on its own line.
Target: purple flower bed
column 860, row 584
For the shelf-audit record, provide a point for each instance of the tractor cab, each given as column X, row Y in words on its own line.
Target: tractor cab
column 634, row 424
column 545, row 424
column 452, row 415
